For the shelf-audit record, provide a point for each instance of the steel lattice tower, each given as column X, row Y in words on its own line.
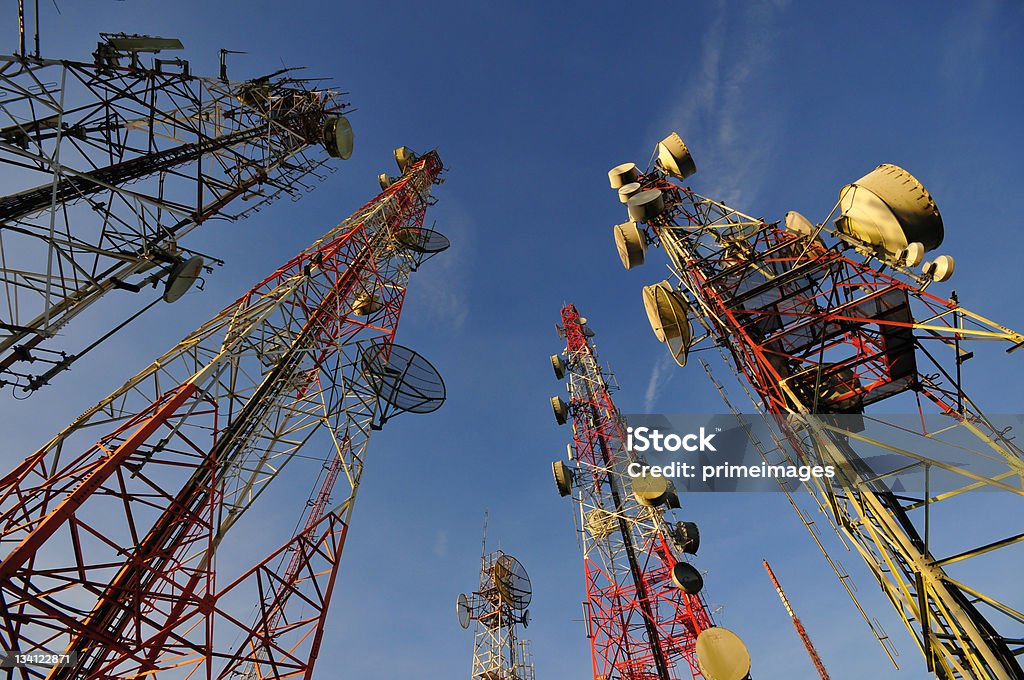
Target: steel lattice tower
column 120, row 161
column 819, row 667
column 113, row 531
column 498, row 609
column 644, row 611
column 820, row 332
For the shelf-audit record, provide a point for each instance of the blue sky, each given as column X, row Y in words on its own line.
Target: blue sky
column 529, row 104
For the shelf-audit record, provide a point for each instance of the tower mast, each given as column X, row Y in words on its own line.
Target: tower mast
column 113, row 535
column 822, row 331
column 801, row 631
column 644, row 610
column 119, row 160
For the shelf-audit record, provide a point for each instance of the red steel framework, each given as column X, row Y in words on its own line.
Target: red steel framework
column 816, row 329
column 800, row 630
column 115, row 534
column 639, row 622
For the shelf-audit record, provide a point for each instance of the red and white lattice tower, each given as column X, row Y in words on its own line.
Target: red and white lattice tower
column 800, row 630
column 644, row 611
column 109, row 166
column 120, row 537
column 498, row 610
column 821, row 329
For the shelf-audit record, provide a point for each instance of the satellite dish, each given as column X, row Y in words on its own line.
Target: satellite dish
column 422, row 240
column 889, row 208
column 513, row 583
column 650, row 490
column 366, row 303
column 526, row 619
column 674, row 158
column 721, row 655
column 183, row 276
column 558, row 366
column 687, row 578
column 646, row 205
column 798, row 224
column 401, row 378
column 338, row 137
column 385, row 180
column 623, row 174
column 463, row 610
column 668, row 313
column 631, row 244
column 941, row 269
column 912, row 255
column 561, row 410
column 627, row 191
column 601, row 523
column 404, row 157
column 687, row 537
column 563, row 477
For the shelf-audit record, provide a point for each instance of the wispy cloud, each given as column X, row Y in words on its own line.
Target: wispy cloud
column 721, row 110
column 968, row 41
column 661, row 375
column 440, row 548
column 441, row 283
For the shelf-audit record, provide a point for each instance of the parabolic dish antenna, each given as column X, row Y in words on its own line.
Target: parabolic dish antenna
column 182, row 277
column 668, row 313
column 627, row 191
column 563, row 477
column 558, row 366
column 401, row 378
column 687, row 578
column 622, row 175
column 686, row 536
column 384, row 180
column 674, row 158
column 561, row 410
column 650, row 490
column 404, row 157
column 513, row 583
column 890, row 208
column 798, row 224
column 338, row 137
column 422, row 240
column 463, row 610
column 367, row 303
column 631, row 244
column 601, row 523
column 721, row 655
column 645, row 205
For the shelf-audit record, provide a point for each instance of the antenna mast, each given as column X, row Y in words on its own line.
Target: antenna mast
column 148, row 485
column 498, row 609
column 804, row 637
column 118, row 162
column 644, row 610
column 820, row 332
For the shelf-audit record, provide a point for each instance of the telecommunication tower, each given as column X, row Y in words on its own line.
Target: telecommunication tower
column 822, row 329
column 119, row 160
column 116, row 536
column 800, row 630
column 498, row 609
column 644, row 610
